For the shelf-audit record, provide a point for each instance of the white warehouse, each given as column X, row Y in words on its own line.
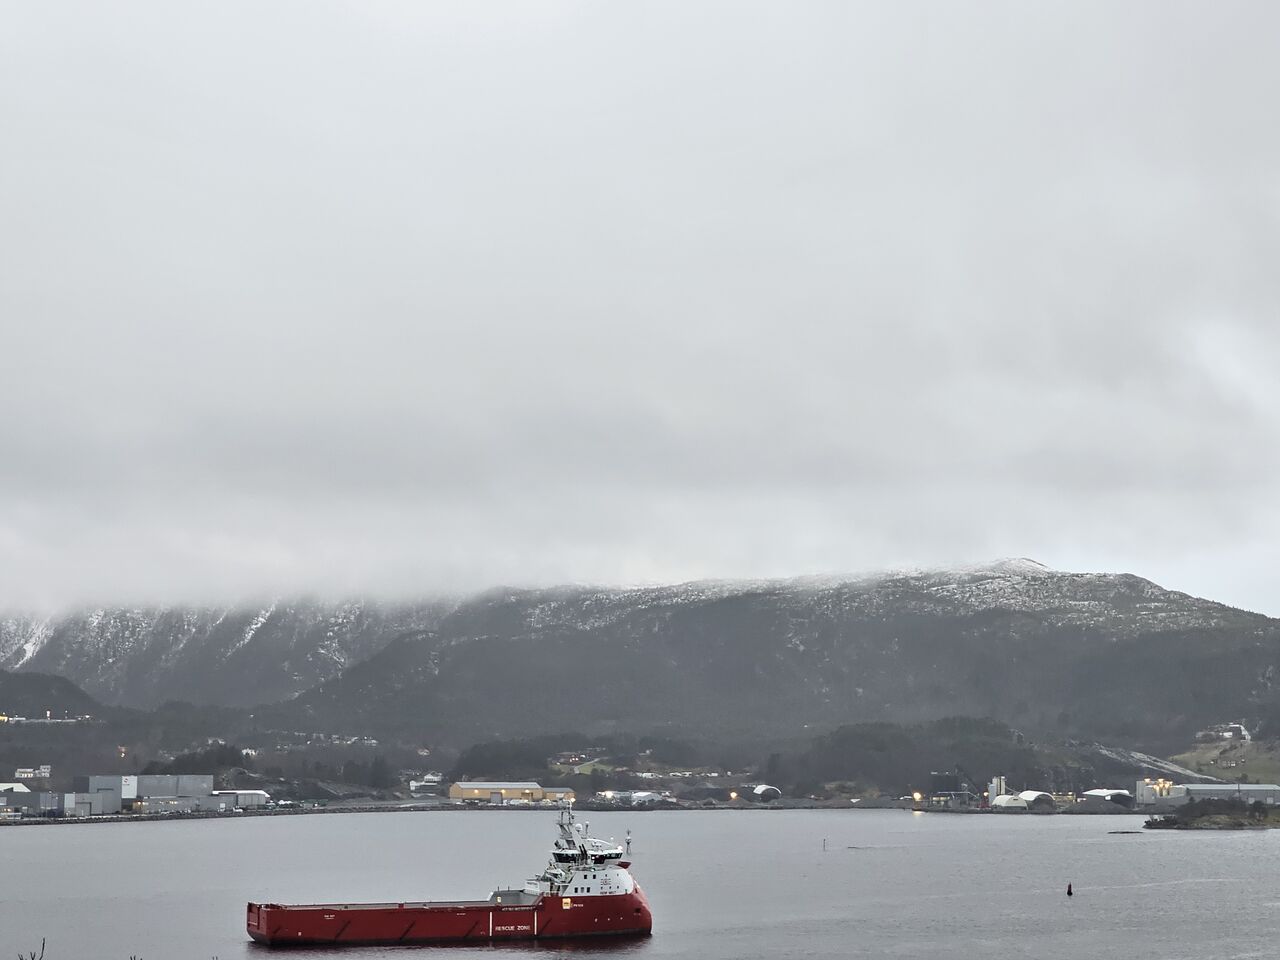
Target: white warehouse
column 1149, row 793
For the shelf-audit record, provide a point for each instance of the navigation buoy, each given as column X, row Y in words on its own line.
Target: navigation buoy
column 1069, row 893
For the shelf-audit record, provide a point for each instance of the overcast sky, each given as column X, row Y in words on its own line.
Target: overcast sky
column 403, row 297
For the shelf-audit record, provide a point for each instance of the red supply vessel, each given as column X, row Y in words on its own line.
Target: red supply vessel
column 585, row 891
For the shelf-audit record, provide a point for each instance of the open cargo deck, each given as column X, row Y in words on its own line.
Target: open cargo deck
column 441, row 922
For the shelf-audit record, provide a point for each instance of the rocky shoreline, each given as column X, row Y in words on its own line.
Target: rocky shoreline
column 1217, row 815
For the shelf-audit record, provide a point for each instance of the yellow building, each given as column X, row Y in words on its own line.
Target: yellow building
column 490, row 791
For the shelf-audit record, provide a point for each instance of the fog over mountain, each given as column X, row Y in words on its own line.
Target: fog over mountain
column 236, row 656
column 1112, row 657
column 399, row 300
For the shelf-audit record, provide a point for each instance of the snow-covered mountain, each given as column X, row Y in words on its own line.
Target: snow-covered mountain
column 1123, row 603
column 233, row 657
column 1105, row 656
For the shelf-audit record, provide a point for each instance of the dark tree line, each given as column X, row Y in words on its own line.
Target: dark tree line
column 216, row 757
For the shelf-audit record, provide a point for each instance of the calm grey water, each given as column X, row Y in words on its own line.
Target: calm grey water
column 722, row 884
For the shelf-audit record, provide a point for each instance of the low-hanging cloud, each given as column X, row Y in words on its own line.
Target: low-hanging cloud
column 404, row 298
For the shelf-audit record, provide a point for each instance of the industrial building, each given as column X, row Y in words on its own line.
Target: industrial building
column 38, row 804
column 152, row 793
column 947, row 791
column 175, row 785
column 125, row 787
column 1149, row 793
column 98, row 796
column 1038, row 800
column 244, row 799
column 25, row 803
column 498, row 792
column 89, row 804
column 1224, row 731
column 1121, row 798
column 1009, row 802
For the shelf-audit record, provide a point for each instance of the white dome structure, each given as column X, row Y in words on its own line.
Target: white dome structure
column 1009, row 803
column 1105, row 794
column 1038, row 800
column 1121, row 798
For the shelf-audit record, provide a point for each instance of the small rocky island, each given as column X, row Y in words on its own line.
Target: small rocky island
column 1213, row 814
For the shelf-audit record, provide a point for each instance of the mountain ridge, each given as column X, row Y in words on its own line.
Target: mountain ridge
column 232, row 656
column 1111, row 656
column 1073, row 653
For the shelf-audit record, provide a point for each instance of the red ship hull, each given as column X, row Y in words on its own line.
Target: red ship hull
column 546, row 918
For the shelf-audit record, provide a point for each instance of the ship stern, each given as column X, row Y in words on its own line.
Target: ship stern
column 255, row 923
column 644, row 917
